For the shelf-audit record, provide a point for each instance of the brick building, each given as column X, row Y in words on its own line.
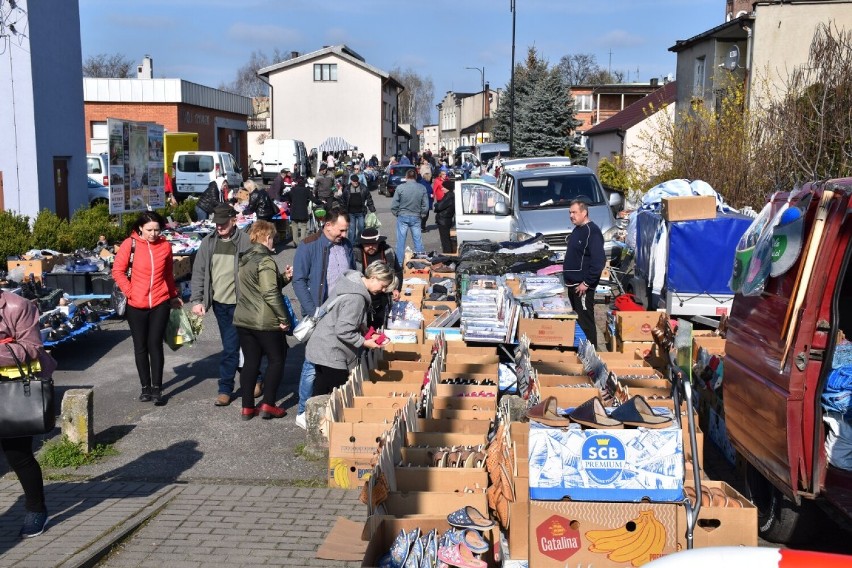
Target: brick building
column 219, row 118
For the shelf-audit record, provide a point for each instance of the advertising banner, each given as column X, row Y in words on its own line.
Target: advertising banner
column 135, row 166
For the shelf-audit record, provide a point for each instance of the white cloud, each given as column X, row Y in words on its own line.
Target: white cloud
column 264, row 34
column 620, row 38
column 335, row 36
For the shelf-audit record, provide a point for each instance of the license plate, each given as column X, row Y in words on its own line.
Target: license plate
column 186, row 187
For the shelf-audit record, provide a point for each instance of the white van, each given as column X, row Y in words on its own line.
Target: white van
column 195, row 170
column 278, row 154
column 97, row 169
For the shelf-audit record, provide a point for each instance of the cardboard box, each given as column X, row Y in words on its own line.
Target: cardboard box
column 636, row 348
column 519, row 535
column 182, row 267
column 379, row 401
column 714, row 344
column 636, row 326
column 465, row 403
column 449, row 414
column 441, row 479
column 573, row 381
column 394, row 375
column 348, row 473
column 465, row 350
column 35, row 267
column 555, row 332
column 561, row 532
column 463, row 390
column 386, row 389
column 388, row 529
column 606, row 465
column 570, row 397
column 396, row 364
column 689, row 208
column 557, row 355
column 369, row 414
column 558, row 368
column 355, row 439
column 452, row 425
column 721, row 526
column 443, row 439
column 437, row 503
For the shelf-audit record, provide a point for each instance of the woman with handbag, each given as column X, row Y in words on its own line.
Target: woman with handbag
column 261, row 320
column 151, row 294
column 336, row 342
column 20, row 342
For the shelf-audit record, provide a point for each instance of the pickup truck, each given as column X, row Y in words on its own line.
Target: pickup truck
column 771, row 400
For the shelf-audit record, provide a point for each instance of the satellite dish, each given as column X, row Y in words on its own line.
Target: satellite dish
column 733, row 58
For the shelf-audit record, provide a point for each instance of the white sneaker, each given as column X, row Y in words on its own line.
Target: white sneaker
column 301, row 421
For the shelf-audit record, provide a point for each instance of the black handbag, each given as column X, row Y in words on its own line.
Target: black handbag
column 118, row 299
column 26, row 404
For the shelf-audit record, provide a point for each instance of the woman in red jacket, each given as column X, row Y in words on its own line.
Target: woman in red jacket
column 151, row 293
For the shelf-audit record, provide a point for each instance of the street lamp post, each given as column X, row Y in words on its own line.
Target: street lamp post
column 482, row 80
column 512, row 86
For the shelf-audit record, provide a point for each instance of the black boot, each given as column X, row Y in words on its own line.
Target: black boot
column 146, row 395
column 157, row 396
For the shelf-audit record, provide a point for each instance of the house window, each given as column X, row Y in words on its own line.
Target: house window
column 698, row 79
column 325, row 71
column 584, row 103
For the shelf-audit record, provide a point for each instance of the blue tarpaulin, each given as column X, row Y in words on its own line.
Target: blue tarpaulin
column 700, row 253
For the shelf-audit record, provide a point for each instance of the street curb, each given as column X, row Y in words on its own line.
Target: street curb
column 95, row 551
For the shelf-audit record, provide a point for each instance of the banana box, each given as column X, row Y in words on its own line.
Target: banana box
column 606, row 465
column 563, row 533
column 348, row 473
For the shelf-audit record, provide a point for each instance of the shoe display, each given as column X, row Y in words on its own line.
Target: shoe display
column 301, row 421
column 223, row 400
column 591, row 414
column 267, row 411
column 34, row 524
column 637, row 413
column 545, row 413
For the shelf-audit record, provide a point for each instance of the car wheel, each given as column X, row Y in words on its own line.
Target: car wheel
column 779, row 519
column 253, row 173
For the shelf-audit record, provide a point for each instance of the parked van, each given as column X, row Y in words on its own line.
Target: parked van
column 532, row 196
column 195, row 170
column 772, row 409
column 279, row 154
column 97, row 168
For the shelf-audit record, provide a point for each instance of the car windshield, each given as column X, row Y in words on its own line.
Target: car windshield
column 399, row 170
column 557, row 191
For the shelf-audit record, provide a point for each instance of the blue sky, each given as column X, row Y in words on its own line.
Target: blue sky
column 205, row 41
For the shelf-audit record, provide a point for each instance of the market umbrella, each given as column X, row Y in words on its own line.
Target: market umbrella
column 335, row 144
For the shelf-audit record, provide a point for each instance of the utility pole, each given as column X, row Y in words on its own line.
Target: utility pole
column 482, row 80
column 512, row 86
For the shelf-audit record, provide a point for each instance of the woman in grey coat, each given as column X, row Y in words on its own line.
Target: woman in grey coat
column 339, row 336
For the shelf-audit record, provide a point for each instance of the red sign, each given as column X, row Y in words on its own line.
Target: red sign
column 557, row 539
column 646, row 328
column 721, row 311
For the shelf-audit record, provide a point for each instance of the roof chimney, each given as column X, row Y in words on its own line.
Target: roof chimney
column 294, row 54
column 146, row 70
column 655, row 82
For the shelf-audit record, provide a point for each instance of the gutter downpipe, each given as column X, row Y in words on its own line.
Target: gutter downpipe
column 747, row 78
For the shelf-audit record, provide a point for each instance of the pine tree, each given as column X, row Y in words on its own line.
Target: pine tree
column 544, row 112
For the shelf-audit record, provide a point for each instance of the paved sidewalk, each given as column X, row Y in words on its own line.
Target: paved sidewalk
column 175, row 525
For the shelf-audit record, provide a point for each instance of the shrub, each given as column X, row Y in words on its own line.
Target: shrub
column 48, row 230
column 15, row 235
column 87, row 225
column 184, row 212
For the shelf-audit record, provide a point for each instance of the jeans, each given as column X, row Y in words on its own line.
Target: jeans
column 306, row 384
column 356, row 225
column 148, row 329
column 230, row 346
column 201, row 213
column 404, row 225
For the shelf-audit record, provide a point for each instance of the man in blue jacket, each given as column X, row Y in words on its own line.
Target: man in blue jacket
column 584, row 263
column 410, row 204
column 320, row 260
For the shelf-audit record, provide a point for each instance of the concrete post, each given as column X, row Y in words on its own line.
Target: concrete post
column 77, row 417
column 316, row 444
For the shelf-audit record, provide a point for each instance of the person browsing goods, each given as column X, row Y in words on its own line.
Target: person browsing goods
column 410, row 204
column 583, row 265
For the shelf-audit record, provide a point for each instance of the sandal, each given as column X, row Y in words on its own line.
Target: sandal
column 469, row 518
column 591, row 414
column 474, row 541
column 545, row 413
column 637, row 413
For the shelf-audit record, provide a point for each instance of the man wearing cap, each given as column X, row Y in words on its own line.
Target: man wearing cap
column 357, row 199
column 410, row 204
column 583, row 265
column 323, row 185
column 320, row 261
column 370, row 247
column 215, row 283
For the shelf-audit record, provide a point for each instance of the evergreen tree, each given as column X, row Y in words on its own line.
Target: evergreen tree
column 544, row 111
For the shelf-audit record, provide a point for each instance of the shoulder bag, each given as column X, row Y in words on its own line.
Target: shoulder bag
column 303, row 331
column 26, row 403
column 118, row 299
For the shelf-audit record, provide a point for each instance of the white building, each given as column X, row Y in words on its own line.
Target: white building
column 430, row 138
column 334, row 92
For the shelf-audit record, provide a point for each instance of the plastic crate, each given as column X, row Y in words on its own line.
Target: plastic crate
column 74, row 284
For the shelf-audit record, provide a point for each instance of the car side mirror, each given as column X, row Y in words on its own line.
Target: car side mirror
column 616, row 200
column 501, row 209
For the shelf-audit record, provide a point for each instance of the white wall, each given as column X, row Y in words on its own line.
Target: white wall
column 638, row 138
column 312, row 111
column 603, row 146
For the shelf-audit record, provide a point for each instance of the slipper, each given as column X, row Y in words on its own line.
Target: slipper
column 469, row 518
column 545, row 413
column 459, row 555
column 475, row 542
column 399, row 549
column 637, row 413
column 591, row 414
